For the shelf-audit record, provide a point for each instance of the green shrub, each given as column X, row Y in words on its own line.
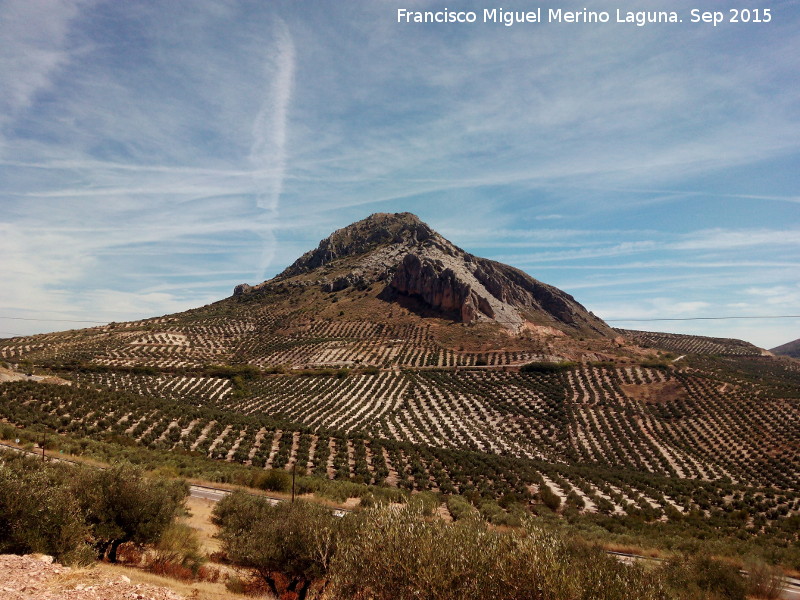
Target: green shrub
column 179, row 546
column 295, row 539
column 122, row 505
column 575, row 501
column 38, row 513
column 549, row 498
column 460, row 508
column 398, row 555
column 274, row 480
column 494, row 514
column 699, row 576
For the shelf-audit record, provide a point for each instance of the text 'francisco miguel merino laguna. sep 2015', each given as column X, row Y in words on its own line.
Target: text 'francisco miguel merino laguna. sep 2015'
column 559, row 15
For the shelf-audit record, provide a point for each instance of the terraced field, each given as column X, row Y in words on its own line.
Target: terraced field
column 391, row 403
column 692, row 344
column 260, row 338
column 608, row 439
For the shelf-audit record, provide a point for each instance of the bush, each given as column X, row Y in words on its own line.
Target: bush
column 549, row 498
column 296, row 540
column 575, row 501
column 763, row 581
column 121, row 505
column 547, row 367
column 494, row 514
column 397, row 555
column 460, row 508
column 178, row 547
column 703, row 577
column 39, row 514
column 274, row 480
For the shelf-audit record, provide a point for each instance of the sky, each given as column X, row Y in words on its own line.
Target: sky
column 154, row 154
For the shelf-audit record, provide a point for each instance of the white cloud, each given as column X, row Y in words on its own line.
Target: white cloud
column 719, row 239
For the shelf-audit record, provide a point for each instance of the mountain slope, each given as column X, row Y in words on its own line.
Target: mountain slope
column 791, row 349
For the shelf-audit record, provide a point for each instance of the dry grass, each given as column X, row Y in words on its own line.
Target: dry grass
column 634, row 549
column 656, row 392
column 193, row 591
column 74, row 577
column 199, row 519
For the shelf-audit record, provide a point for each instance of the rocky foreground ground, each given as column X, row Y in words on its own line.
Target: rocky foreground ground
column 38, row 578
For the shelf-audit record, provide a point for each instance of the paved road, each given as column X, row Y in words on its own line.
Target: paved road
column 217, row 494
column 196, row 491
column 213, row 494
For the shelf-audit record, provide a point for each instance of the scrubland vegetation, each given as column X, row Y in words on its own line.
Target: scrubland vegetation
column 398, row 553
column 385, row 552
column 81, row 514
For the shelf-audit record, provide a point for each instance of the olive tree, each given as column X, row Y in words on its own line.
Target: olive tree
column 121, row 505
column 39, row 514
column 295, row 540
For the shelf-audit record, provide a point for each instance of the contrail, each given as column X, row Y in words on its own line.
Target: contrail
column 270, row 132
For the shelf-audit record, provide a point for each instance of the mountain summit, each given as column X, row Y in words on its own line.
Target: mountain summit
column 412, row 262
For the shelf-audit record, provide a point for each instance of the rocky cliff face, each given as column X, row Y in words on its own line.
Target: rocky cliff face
column 408, row 257
column 437, row 285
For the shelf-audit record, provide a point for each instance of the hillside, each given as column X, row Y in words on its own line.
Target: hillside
column 388, row 355
column 693, row 344
column 791, row 349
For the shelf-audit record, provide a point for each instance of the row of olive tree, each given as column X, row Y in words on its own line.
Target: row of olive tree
column 78, row 514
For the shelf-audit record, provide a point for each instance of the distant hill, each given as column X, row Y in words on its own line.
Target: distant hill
column 790, row 349
column 692, row 344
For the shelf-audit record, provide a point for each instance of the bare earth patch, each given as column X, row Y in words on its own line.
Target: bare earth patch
column 38, row 578
column 657, row 392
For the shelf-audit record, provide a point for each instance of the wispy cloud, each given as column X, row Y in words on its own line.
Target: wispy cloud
column 268, row 153
column 33, row 50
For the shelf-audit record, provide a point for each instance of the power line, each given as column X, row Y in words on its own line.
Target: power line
column 613, row 320
column 52, row 320
column 619, row 320
column 705, row 318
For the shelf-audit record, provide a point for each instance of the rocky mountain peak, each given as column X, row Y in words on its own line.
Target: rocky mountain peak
column 397, row 229
column 408, row 258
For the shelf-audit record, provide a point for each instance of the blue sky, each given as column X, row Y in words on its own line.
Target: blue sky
column 155, row 154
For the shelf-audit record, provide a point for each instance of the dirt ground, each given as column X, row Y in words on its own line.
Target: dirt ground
column 200, row 520
column 38, row 578
column 656, row 392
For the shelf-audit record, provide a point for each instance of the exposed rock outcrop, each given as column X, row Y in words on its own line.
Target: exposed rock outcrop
column 414, row 260
column 341, row 283
column 437, row 285
column 401, row 229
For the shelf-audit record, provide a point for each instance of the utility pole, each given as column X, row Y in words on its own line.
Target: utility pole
column 294, row 470
column 44, row 442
